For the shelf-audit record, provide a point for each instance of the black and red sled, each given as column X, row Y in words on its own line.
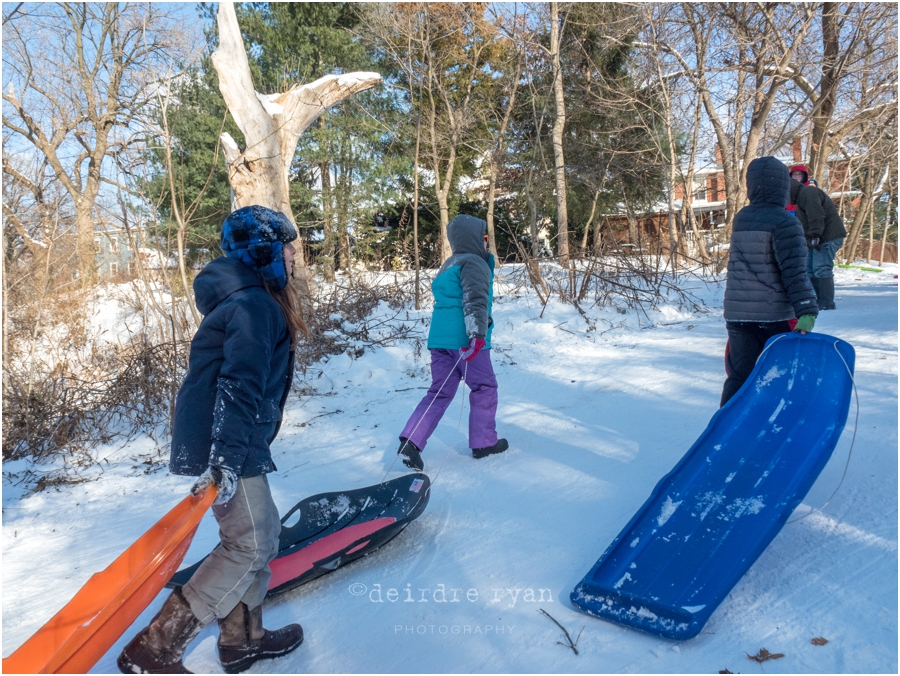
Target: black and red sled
column 336, row 528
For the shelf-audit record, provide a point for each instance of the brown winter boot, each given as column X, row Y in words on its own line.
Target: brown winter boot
column 243, row 641
column 159, row 647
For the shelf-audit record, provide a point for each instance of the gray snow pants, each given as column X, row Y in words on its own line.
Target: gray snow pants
column 238, row 568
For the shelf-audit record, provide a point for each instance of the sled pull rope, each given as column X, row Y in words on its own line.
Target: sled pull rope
column 852, row 440
column 462, row 406
column 425, row 412
column 777, row 338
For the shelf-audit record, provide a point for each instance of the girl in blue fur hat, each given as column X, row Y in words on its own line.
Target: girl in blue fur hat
column 227, row 412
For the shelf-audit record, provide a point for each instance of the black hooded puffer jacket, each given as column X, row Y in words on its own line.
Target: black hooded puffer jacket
column 817, row 212
column 767, row 279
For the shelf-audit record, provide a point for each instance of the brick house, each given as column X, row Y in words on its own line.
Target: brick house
column 708, row 199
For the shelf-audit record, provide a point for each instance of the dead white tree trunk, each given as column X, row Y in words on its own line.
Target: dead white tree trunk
column 271, row 123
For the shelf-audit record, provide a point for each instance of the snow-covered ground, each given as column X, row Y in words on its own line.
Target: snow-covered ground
column 594, row 419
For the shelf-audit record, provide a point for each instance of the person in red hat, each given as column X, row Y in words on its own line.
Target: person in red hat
column 824, row 231
column 799, row 173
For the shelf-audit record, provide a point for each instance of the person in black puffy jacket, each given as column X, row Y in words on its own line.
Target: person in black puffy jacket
column 227, row 412
column 767, row 282
column 825, row 233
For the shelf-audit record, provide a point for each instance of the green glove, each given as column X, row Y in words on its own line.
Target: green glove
column 805, row 323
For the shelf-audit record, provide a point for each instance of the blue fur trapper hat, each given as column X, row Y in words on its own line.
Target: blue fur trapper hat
column 256, row 236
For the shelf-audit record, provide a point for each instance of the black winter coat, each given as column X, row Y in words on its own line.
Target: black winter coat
column 817, row 212
column 767, row 279
column 229, row 407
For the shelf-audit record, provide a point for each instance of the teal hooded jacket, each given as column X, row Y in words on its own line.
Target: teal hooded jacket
column 463, row 289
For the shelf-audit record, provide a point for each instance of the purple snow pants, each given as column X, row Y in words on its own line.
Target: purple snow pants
column 482, row 401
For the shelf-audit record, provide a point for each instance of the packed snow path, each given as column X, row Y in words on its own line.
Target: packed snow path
column 594, row 419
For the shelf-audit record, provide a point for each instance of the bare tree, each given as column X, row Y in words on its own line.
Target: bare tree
column 528, row 135
column 271, row 123
column 738, row 58
column 873, row 176
column 668, row 82
column 77, row 77
column 858, row 45
column 36, row 214
column 537, row 172
column 443, row 50
column 515, row 36
column 687, row 180
column 180, row 211
column 416, row 261
column 402, row 35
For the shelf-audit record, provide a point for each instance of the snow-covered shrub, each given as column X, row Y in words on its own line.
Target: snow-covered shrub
column 359, row 311
column 625, row 282
column 85, row 367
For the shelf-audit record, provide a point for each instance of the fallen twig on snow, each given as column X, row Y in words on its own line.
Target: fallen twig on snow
column 306, row 422
column 571, row 643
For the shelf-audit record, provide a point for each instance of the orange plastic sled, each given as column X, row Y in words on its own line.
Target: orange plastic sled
column 82, row 632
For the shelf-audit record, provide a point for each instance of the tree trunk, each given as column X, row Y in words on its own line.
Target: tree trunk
column 344, row 241
column 444, row 212
column 887, row 225
column 862, row 213
column 824, row 108
column 674, row 241
column 344, row 194
column 729, row 172
column 327, row 257
column 492, row 183
column 559, row 123
column 532, row 215
column 84, row 226
column 443, row 197
column 440, row 194
column 271, row 124
column 672, row 160
column 597, row 244
column 670, row 190
column 4, row 337
column 497, row 156
column 687, row 203
column 633, row 235
column 416, row 203
column 590, row 220
column 871, row 236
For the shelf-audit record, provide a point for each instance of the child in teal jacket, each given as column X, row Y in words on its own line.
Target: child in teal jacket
column 460, row 342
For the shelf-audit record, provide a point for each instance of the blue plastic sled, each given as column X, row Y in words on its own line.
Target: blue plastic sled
column 711, row 517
